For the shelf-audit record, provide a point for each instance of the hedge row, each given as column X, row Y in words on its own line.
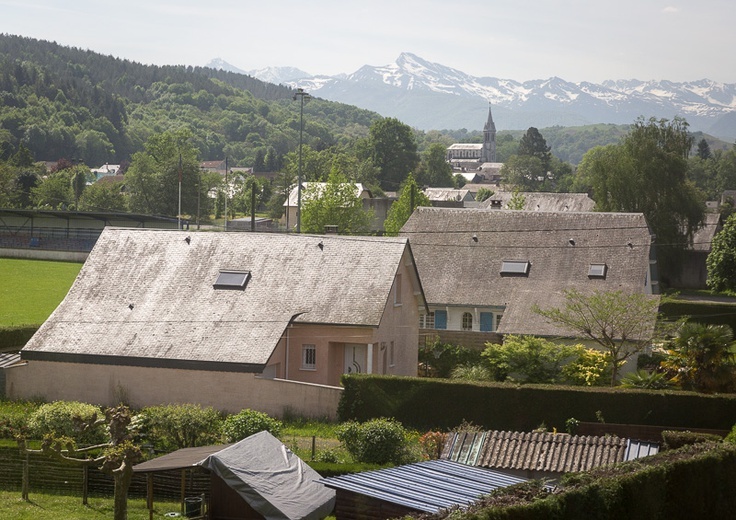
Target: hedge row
column 16, row 337
column 694, row 482
column 710, row 313
column 423, row 403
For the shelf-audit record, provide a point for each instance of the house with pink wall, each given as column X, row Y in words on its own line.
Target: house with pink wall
column 229, row 320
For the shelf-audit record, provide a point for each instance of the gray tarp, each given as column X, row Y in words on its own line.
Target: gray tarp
column 272, row 479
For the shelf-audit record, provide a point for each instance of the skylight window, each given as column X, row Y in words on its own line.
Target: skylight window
column 232, row 279
column 517, row 267
column 597, row 271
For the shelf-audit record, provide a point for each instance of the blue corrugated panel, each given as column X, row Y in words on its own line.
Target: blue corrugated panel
column 425, row 486
column 637, row 449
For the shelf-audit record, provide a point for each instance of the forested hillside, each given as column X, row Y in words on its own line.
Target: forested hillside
column 77, row 104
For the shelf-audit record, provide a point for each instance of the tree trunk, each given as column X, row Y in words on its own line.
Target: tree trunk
column 122, row 477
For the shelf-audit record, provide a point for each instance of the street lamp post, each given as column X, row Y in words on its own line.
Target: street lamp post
column 301, row 95
column 178, row 217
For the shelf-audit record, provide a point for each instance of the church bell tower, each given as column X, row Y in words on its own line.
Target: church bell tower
column 489, row 139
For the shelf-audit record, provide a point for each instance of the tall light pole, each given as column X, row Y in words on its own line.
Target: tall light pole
column 178, row 218
column 301, row 95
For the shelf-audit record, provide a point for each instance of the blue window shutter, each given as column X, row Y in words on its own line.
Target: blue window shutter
column 440, row 319
column 486, row 322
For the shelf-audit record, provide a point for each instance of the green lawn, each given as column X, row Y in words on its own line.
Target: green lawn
column 44, row 506
column 31, row 289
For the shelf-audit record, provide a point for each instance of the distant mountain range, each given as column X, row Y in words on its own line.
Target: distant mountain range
column 428, row 96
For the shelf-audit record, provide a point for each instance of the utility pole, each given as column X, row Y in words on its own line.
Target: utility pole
column 301, row 95
column 227, row 192
column 253, row 205
column 178, row 217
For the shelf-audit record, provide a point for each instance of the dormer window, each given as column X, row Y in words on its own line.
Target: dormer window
column 515, row 267
column 232, row 280
column 597, row 271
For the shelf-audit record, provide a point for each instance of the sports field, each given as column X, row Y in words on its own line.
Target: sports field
column 31, row 289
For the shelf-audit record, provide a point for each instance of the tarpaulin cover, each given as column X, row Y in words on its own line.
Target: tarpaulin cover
column 272, row 479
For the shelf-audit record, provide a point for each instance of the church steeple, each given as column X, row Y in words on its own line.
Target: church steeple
column 489, row 139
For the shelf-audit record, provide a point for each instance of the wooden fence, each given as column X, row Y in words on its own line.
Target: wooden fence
column 49, row 475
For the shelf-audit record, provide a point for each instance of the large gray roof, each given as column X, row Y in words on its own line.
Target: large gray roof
column 540, row 201
column 145, row 296
column 459, row 253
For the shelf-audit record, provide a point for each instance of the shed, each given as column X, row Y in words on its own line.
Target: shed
column 7, row 359
column 267, row 476
column 255, row 478
column 426, row 487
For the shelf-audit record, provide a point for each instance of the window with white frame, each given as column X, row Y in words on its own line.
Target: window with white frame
column 309, row 357
column 467, row 321
column 426, row 321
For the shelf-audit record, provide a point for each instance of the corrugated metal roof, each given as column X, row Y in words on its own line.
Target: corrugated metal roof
column 425, row 486
column 8, row 359
column 636, row 449
column 542, row 451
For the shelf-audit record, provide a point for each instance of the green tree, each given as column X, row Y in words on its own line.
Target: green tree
column 402, row 208
column 54, row 192
column 524, row 172
column 483, row 194
column 703, row 357
column 434, row 170
column 115, row 457
column 152, row 181
column 648, row 173
column 622, row 324
column 517, row 201
column 721, row 261
column 336, row 203
column 532, row 144
column 103, row 196
column 393, row 149
column 703, row 149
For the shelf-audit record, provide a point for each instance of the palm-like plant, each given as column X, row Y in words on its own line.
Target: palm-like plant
column 646, row 379
column 703, row 358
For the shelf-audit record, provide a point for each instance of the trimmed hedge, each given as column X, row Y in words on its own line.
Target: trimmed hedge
column 701, row 312
column 16, row 337
column 696, row 481
column 425, row 404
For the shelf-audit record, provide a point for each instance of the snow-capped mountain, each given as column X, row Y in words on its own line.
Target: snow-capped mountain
column 220, row 64
column 433, row 96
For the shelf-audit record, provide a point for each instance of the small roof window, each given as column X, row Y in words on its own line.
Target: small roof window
column 597, row 271
column 232, row 279
column 518, row 267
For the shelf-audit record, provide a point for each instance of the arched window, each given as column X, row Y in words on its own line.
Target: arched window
column 467, row 321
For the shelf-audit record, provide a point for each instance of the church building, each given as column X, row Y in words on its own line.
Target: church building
column 476, row 152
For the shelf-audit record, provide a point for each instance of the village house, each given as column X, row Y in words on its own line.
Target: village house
column 379, row 206
column 483, row 271
column 229, row 320
column 539, row 201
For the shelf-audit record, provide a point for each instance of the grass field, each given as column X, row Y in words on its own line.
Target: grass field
column 31, row 289
column 42, row 506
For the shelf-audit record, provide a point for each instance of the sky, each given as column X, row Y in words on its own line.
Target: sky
column 576, row 40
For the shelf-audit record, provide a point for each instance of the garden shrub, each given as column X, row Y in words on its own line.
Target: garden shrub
column 676, row 439
column 528, row 359
column 14, row 417
column 247, row 422
column 174, row 426
column 731, row 437
column 444, row 357
column 68, row 419
column 378, row 441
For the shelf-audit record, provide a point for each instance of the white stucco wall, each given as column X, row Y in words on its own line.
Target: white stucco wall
column 108, row 385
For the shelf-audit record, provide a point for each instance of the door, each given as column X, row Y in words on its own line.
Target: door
column 356, row 358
